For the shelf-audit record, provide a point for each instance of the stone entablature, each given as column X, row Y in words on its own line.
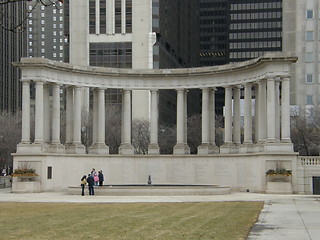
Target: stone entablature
column 271, row 65
column 266, row 76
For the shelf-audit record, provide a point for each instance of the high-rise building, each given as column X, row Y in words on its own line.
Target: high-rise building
column 46, row 31
column 301, row 36
column 12, row 48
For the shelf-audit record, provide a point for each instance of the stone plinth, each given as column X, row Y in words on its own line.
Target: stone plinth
column 26, row 187
column 279, row 187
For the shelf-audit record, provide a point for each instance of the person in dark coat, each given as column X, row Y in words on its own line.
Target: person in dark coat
column 90, row 181
column 101, row 178
column 83, row 184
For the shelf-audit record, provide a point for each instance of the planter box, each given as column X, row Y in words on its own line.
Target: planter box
column 278, row 178
column 279, row 188
column 26, row 187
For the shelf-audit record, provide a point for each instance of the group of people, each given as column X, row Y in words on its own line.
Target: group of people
column 93, row 179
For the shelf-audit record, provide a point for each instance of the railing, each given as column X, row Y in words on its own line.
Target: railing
column 310, row 161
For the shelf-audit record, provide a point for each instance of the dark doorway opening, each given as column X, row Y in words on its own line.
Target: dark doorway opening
column 316, row 185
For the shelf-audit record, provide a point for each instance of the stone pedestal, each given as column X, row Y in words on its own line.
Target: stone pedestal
column 99, row 149
column 26, row 187
column 56, row 148
column 75, row 149
column 181, row 148
column 153, row 149
column 126, row 149
column 279, row 187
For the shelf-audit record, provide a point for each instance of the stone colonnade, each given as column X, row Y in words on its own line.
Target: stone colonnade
column 271, row 119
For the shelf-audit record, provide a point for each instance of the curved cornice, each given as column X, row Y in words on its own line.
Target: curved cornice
column 270, row 65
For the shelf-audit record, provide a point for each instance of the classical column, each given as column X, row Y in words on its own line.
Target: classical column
column 69, row 115
column 123, row 16
column 39, row 113
column 285, row 110
column 101, row 116
column 262, row 111
column 256, row 113
column 110, row 14
column 277, row 105
column 205, row 121
column 77, row 117
column 25, row 138
column 55, row 114
column 153, row 146
column 212, row 122
column 228, row 116
column 126, row 147
column 97, row 9
column 271, row 110
column 236, row 116
column 95, row 117
column 181, row 146
column 46, row 113
column 55, row 146
column 247, row 114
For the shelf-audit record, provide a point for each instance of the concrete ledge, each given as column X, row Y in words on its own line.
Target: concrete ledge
column 154, row 190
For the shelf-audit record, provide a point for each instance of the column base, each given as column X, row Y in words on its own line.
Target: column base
column 31, row 148
column 229, row 148
column 99, row 148
column 153, row 149
column 56, row 148
column 181, row 148
column 75, row 148
column 207, row 148
column 126, row 149
column 279, row 147
column 247, row 148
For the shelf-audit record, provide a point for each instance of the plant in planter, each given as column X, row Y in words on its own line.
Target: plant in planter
column 279, row 171
column 25, row 173
column 279, row 174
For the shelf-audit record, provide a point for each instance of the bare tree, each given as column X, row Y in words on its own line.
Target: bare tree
column 9, row 9
column 10, row 136
column 140, row 136
column 305, row 131
column 113, row 127
column 167, row 138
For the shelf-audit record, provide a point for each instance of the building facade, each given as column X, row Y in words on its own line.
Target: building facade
column 301, row 23
column 13, row 45
column 46, row 31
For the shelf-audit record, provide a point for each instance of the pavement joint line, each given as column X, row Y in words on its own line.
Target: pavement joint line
column 294, row 202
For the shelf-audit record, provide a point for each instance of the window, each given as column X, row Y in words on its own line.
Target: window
column 42, row 43
column 309, row 57
column 49, row 173
column 54, row 25
column 309, row 78
column 309, row 36
column 42, row 35
column 309, row 100
column 42, row 21
column 42, row 50
column 309, row 14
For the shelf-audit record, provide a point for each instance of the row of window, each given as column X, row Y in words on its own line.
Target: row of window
column 310, row 78
column 246, row 55
column 262, row 44
column 54, row 10
column 255, row 35
column 246, row 6
column 254, row 16
column 309, row 57
column 255, row 25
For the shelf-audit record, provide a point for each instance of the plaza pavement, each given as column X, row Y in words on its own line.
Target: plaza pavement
column 283, row 217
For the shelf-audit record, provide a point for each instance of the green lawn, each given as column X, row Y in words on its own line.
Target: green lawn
column 206, row 220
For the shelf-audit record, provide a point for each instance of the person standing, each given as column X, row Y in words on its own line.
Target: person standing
column 101, row 178
column 83, row 184
column 90, row 181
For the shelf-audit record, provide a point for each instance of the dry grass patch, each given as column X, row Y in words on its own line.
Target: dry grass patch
column 205, row 220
